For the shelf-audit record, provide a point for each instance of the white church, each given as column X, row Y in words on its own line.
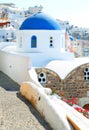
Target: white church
column 40, row 40
column 42, row 37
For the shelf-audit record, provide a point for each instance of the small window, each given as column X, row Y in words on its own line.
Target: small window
column 3, row 37
column 51, row 37
column 51, row 45
column 86, row 74
column 33, row 42
column 51, row 41
column 42, row 77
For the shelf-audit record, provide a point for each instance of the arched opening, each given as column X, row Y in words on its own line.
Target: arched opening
column 86, row 106
column 33, row 42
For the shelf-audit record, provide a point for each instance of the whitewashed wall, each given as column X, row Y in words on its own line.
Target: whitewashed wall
column 43, row 40
column 15, row 66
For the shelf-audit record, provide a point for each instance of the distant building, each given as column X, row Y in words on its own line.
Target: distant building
column 19, row 14
column 7, row 34
column 11, row 18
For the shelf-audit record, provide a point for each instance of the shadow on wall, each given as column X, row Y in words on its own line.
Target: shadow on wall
column 7, row 83
column 34, row 112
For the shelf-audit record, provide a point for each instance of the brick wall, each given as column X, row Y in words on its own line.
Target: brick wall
column 53, row 81
column 74, row 85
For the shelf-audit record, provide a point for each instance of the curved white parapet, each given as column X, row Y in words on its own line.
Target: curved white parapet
column 55, row 111
column 6, row 44
column 15, row 65
column 43, row 103
column 64, row 67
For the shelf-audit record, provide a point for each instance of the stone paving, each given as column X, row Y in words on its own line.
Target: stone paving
column 16, row 113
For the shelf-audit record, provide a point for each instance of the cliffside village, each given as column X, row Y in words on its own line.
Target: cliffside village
column 11, row 17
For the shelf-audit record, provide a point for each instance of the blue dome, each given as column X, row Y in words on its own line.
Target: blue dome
column 40, row 21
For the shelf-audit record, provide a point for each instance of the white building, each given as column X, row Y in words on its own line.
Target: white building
column 7, row 34
column 42, row 37
column 18, row 14
column 40, row 40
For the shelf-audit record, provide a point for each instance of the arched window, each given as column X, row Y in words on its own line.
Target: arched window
column 33, row 42
column 86, row 74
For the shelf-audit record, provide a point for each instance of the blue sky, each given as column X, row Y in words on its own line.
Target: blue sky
column 74, row 11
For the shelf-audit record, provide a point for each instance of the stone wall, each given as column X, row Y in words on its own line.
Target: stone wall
column 74, row 85
column 52, row 80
